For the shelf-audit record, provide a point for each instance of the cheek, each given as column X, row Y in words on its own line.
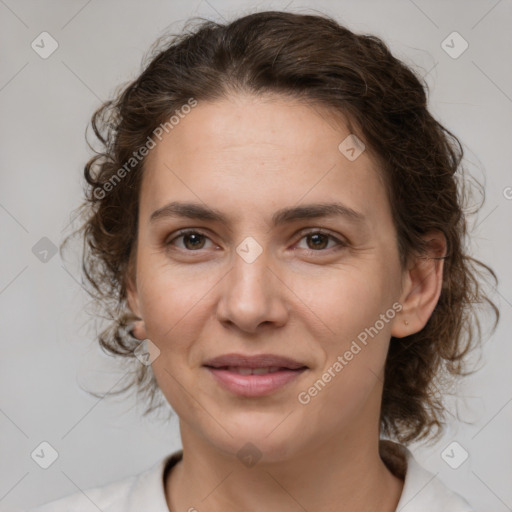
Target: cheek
column 172, row 304
column 349, row 300
column 355, row 354
column 357, row 309
column 174, row 311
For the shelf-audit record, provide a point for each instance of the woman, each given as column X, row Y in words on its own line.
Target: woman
column 276, row 220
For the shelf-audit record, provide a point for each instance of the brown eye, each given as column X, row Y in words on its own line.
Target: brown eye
column 318, row 241
column 192, row 240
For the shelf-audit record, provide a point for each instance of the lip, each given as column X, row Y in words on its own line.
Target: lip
column 254, row 385
column 256, row 361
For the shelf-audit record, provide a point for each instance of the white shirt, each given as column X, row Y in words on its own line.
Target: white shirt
column 422, row 491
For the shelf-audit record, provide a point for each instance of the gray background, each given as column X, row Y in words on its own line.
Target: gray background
column 48, row 349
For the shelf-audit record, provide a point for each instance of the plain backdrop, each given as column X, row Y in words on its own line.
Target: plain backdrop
column 48, row 350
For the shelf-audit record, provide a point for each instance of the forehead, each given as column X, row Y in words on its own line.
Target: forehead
column 240, row 121
column 265, row 151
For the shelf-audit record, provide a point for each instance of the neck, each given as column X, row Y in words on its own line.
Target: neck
column 336, row 474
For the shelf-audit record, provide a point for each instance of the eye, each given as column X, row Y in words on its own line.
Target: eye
column 192, row 240
column 319, row 240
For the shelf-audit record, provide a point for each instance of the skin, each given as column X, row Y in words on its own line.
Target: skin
column 302, row 297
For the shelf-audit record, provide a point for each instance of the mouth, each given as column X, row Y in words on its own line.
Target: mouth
column 254, row 376
column 251, row 371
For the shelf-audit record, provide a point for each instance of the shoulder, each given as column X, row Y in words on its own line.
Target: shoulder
column 422, row 491
column 134, row 493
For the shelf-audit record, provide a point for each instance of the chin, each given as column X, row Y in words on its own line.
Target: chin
column 261, row 436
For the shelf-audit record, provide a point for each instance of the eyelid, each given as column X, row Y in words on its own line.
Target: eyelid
column 340, row 241
column 186, row 231
column 323, row 231
column 303, row 233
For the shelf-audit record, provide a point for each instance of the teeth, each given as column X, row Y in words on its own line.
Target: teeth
column 253, row 371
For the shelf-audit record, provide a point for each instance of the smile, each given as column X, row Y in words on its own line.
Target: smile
column 254, row 382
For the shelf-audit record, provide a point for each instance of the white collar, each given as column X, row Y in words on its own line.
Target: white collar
column 422, row 491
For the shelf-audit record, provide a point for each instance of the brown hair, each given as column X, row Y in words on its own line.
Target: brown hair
column 314, row 59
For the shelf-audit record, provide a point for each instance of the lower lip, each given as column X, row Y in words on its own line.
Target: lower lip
column 254, row 385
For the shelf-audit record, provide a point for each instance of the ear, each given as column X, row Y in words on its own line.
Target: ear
column 139, row 329
column 422, row 285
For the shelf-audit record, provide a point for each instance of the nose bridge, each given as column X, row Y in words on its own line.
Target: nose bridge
column 250, row 266
column 249, row 286
column 251, row 294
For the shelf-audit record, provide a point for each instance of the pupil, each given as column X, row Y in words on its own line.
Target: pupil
column 316, row 237
column 188, row 237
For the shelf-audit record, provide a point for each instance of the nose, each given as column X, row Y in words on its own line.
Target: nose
column 253, row 296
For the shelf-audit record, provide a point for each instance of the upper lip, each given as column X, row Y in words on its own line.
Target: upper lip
column 255, row 361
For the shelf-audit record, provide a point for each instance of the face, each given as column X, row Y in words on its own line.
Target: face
column 269, row 274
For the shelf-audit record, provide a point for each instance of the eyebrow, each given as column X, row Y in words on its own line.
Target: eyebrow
column 198, row 211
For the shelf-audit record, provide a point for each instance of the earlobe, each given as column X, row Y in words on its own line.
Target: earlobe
column 139, row 329
column 422, row 287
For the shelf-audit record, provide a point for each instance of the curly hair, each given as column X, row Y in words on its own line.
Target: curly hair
column 314, row 59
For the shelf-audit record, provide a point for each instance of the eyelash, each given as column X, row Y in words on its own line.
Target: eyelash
column 341, row 244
